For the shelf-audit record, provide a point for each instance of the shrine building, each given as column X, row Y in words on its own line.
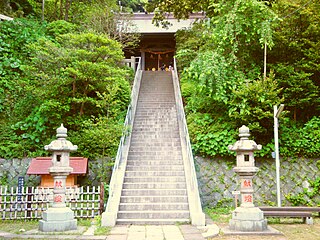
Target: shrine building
column 157, row 45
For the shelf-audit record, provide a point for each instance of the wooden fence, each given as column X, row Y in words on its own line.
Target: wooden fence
column 30, row 202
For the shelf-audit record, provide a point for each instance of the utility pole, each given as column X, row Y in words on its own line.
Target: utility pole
column 265, row 62
column 43, row 10
column 276, row 115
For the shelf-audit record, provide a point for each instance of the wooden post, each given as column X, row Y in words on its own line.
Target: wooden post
column 29, row 205
column 236, row 197
column 101, row 197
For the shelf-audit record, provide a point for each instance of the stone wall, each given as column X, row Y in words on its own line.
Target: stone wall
column 10, row 170
column 216, row 178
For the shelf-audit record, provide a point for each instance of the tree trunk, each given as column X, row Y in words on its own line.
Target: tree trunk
column 55, row 15
column 61, row 9
column 67, row 7
column 74, row 89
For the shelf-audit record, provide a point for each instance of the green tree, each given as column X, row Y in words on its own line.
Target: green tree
column 14, row 38
column 180, row 9
column 79, row 72
column 295, row 57
column 74, row 78
column 113, row 23
column 223, row 81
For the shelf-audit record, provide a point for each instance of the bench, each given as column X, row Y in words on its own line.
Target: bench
column 304, row 212
column 292, row 209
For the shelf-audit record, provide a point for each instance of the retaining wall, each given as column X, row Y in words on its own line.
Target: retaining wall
column 216, row 178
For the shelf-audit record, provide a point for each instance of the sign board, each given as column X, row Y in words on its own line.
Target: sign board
column 20, row 187
column 235, row 192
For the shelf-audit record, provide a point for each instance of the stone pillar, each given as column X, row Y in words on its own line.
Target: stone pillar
column 247, row 217
column 133, row 63
column 58, row 217
column 143, row 60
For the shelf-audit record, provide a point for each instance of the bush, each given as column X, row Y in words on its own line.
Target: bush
column 208, row 136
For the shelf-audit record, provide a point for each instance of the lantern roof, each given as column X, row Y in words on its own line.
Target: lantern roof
column 61, row 143
column 244, row 144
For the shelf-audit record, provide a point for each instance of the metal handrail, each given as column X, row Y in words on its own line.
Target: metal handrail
column 126, row 134
column 185, row 140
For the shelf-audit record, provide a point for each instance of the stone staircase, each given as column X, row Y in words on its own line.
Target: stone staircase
column 154, row 189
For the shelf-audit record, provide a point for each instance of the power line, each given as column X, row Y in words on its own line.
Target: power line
column 303, row 6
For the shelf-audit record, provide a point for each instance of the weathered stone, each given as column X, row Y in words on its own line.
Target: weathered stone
column 59, row 217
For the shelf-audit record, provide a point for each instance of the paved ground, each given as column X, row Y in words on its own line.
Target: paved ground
column 151, row 232
column 122, row 232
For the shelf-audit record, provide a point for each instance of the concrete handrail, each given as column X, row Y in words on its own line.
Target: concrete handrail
column 109, row 217
column 197, row 216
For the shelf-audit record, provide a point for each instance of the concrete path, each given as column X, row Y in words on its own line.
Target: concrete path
column 124, row 232
column 155, row 232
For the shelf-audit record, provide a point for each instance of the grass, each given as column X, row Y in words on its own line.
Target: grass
column 16, row 226
column 102, row 230
column 219, row 215
column 20, row 226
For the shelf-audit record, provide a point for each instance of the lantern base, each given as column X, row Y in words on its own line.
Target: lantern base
column 248, row 220
column 58, row 220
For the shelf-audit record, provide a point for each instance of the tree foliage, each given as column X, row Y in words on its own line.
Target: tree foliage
column 222, row 59
column 295, row 56
column 64, row 76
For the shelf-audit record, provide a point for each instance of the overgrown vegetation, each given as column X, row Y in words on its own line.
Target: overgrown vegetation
column 62, row 71
column 221, row 63
column 67, row 69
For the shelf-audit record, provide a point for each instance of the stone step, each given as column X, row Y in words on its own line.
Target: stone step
column 156, row 128
column 154, row 199
column 153, row 206
column 155, row 193
column 153, row 214
column 172, row 133
column 152, row 221
column 145, row 157
column 148, row 185
column 154, row 139
column 155, row 124
column 154, row 97
column 156, row 144
column 153, row 153
column 155, row 107
column 165, row 147
column 153, row 173
column 144, row 138
column 155, row 168
column 155, row 112
column 154, row 162
column 155, row 120
column 154, row 188
column 171, row 179
column 154, row 149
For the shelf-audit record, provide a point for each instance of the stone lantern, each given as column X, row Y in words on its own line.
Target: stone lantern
column 59, row 217
column 247, row 217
